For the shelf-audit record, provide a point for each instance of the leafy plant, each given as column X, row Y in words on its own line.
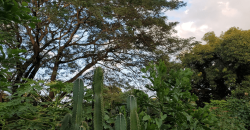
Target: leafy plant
column 223, row 112
column 18, row 13
column 239, row 109
column 175, row 100
column 26, row 111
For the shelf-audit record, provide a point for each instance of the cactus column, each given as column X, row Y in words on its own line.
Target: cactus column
column 120, row 123
column 98, row 98
column 73, row 122
column 132, row 109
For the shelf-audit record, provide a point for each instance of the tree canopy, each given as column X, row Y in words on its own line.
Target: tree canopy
column 74, row 36
column 11, row 12
column 221, row 65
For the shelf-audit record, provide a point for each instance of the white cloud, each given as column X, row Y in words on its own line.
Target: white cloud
column 202, row 16
column 226, row 10
column 203, row 28
column 205, row 8
column 188, row 27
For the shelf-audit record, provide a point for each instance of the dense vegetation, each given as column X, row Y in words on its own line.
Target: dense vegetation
column 207, row 90
column 221, row 65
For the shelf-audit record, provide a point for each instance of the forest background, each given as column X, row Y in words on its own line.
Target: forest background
column 71, row 38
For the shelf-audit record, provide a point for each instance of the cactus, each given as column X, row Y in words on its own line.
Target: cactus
column 66, row 122
column 78, row 92
column 73, row 122
column 120, row 123
column 132, row 109
column 98, row 99
column 84, row 126
column 128, row 123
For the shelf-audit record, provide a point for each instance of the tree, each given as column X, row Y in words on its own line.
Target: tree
column 11, row 12
column 77, row 35
column 221, row 65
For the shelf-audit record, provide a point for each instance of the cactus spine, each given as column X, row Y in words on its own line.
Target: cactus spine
column 73, row 122
column 120, row 123
column 132, row 109
column 98, row 98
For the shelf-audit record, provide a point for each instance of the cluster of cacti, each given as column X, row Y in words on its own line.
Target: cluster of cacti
column 75, row 122
column 132, row 122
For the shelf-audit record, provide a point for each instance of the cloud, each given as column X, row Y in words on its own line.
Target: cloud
column 200, row 17
column 226, row 10
column 188, row 27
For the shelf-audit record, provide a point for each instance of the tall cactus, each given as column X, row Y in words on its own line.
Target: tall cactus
column 66, row 122
column 78, row 92
column 132, row 109
column 98, row 99
column 120, row 123
column 73, row 122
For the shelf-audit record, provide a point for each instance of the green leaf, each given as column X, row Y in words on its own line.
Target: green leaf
column 158, row 122
column 175, row 97
column 163, row 117
column 147, row 117
column 32, row 25
column 24, row 4
column 106, row 117
column 188, row 116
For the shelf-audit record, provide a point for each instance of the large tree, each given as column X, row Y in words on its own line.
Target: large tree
column 221, row 65
column 11, row 12
column 74, row 36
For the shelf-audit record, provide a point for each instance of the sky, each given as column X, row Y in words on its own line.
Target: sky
column 202, row 16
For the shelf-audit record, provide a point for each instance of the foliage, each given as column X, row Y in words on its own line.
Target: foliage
column 27, row 111
column 240, row 109
column 176, row 111
column 12, row 11
column 174, row 99
column 112, row 96
column 221, row 65
column 226, row 120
